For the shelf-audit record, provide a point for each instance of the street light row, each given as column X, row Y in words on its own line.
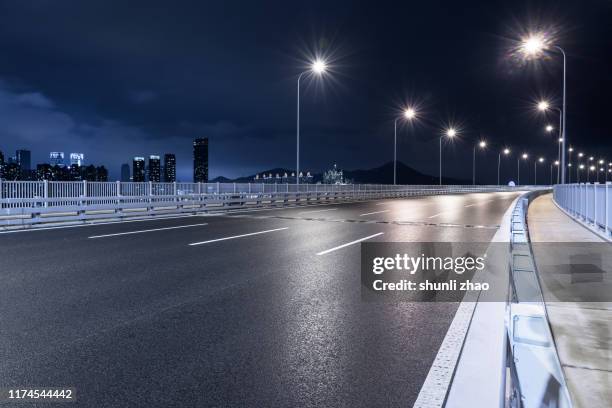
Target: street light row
column 533, row 46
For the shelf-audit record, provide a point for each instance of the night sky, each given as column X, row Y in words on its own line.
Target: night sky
column 115, row 79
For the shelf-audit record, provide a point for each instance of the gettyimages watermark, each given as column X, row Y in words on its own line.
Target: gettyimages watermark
column 445, row 271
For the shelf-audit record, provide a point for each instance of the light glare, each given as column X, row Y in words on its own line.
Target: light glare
column 533, row 45
column 319, row 66
column 543, row 106
column 409, row 113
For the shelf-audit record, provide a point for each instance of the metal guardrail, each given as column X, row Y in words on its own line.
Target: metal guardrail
column 30, row 202
column 588, row 203
column 535, row 375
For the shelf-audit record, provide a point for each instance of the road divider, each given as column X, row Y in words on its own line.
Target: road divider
column 349, row 243
column 147, row 230
column 237, row 236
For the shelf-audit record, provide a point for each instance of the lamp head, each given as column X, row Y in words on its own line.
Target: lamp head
column 533, row 45
column 543, row 106
column 409, row 113
column 318, row 66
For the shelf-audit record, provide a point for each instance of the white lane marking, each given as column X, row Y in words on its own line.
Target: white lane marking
column 434, row 216
column 96, row 223
column 482, row 202
column 327, row 251
column 237, row 236
column 375, row 212
column 147, row 230
column 316, row 211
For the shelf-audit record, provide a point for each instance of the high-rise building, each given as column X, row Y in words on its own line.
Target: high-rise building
column 56, row 158
column 138, row 169
column 169, row 168
column 77, row 158
column 90, row 173
column 125, row 172
column 75, row 172
column 101, row 173
column 200, row 160
column 154, row 169
column 1, row 164
column 24, row 161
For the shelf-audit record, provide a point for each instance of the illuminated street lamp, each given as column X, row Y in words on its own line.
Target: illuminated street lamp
column 506, row 152
column 524, row 156
column 601, row 169
column 569, row 173
column 544, row 106
column 533, row 46
column 409, row 114
column 317, row 67
column 451, row 132
column 580, row 167
column 589, row 170
column 556, row 163
column 482, row 144
column 535, row 170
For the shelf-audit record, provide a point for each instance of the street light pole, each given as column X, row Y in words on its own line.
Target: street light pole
column 482, row 144
column 318, row 67
column 563, row 125
column 498, row 165
column 440, row 160
column 409, row 114
column 506, row 151
column 533, row 46
column 569, row 165
column 394, row 151
column 474, row 167
column 297, row 159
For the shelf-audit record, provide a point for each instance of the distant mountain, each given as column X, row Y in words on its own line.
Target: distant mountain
column 405, row 175
column 378, row 175
column 251, row 178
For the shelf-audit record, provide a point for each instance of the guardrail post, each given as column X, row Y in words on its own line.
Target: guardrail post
column 84, row 202
column 606, row 204
column 595, row 205
column 46, row 191
column 234, row 188
column 174, row 191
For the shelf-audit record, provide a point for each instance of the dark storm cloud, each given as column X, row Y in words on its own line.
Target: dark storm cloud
column 118, row 79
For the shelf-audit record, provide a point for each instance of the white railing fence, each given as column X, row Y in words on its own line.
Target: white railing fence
column 588, row 203
column 30, row 202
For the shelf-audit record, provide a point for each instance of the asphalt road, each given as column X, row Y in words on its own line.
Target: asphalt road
column 131, row 315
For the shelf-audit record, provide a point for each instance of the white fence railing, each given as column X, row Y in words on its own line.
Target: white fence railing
column 589, row 203
column 31, row 202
